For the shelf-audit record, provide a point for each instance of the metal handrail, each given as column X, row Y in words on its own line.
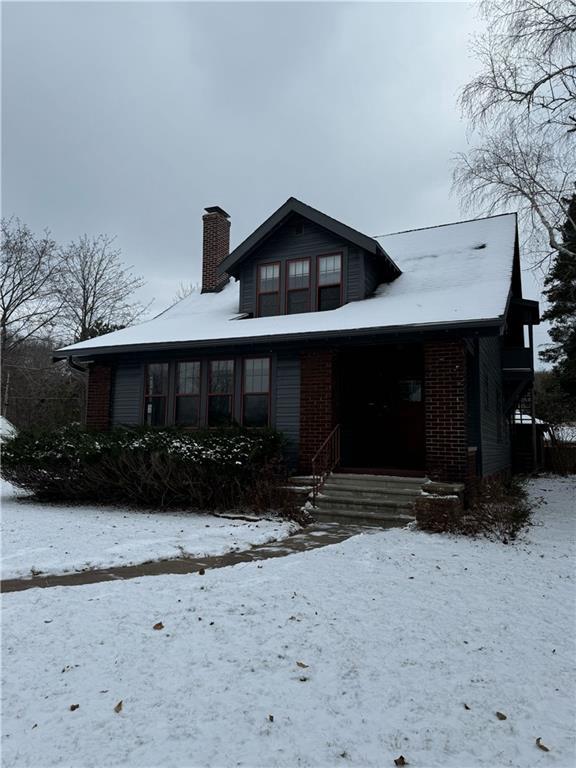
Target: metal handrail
column 326, row 458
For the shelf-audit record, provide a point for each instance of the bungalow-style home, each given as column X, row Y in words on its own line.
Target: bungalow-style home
column 401, row 354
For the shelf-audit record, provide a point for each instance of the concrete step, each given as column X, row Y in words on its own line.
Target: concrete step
column 339, row 513
column 369, row 491
column 378, row 480
column 332, row 500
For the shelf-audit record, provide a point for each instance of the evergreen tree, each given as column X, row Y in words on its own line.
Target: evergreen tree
column 560, row 291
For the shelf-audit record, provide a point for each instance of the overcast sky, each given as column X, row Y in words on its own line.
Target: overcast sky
column 130, row 118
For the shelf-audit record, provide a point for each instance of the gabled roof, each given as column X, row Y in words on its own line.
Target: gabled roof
column 455, row 276
column 294, row 206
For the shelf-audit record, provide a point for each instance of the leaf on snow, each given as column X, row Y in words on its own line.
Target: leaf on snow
column 74, row 707
column 541, row 746
column 118, row 707
column 501, row 716
column 159, row 625
column 302, row 665
column 401, row 760
column 466, row 706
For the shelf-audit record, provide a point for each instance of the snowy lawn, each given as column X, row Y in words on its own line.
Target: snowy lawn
column 391, row 643
column 55, row 539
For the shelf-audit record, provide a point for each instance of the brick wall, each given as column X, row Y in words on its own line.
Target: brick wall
column 445, row 410
column 98, row 397
column 317, row 402
column 215, row 248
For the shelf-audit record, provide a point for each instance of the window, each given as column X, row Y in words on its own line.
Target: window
column 155, row 390
column 256, row 389
column 220, row 389
column 187, row 408
column 410, row 390
column 329, row 281
column 268, row 289
column 298, row 286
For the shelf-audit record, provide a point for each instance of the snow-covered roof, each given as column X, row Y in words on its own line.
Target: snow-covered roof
column 451, row 274
column 7, row 429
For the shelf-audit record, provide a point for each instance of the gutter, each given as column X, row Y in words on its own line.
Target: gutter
column 470, row 325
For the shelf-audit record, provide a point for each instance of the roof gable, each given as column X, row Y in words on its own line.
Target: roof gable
column 293, row 206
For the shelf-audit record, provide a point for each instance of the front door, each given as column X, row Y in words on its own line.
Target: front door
column 382, row 408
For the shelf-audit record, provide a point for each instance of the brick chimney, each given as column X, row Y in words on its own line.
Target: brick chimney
column 215, row 248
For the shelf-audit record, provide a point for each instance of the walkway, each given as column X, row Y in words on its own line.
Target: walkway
column 312, row 537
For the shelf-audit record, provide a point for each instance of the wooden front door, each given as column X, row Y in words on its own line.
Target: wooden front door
column 382, row 408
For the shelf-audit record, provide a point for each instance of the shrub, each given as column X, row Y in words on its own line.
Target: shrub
column 499, row 509
column 225, row 469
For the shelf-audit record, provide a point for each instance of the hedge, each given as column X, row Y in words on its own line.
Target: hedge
column 160, row 468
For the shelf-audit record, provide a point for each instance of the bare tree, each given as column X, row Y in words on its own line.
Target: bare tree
column 31, row 266
column 97, row 290
column 522, row 107
column 185, row 290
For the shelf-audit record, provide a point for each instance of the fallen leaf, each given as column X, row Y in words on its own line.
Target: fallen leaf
column 501, row 716
column 201, row 572
column 301, row 664
column 466, row 706
column 35, row 726
column 118, row 707
column 303, row 679
column 271, row 718
column 401, row 760
column 159, row 625
column 541, row 746
column 73, row 707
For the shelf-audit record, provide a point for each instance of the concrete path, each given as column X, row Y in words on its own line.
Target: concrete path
column 312, row 537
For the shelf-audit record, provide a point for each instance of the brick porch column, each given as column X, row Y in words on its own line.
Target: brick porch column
column 318, row 387
column 445, row 410
column 98, row 397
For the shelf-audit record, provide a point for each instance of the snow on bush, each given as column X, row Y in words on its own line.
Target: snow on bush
column 151, row 467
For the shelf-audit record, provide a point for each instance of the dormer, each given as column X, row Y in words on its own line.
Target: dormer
column 300, row 260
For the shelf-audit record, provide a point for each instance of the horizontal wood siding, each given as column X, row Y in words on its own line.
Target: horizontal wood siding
column 288, row 404
column 127, row 393
column 355, row 276
column 248, row 289
column 371, row 275
column 494, row 430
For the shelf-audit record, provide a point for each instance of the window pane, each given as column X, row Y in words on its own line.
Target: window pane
column 221, row 376
column 154, row 411
column 298, row 301
column 329, row 269
column 157, row 378
column 188, row 411
column 269, row 278
column 329, row 298
column 188, row 379
column 219, row 411
column 268, row 304
column 257, row 374
column 298, row 274
column 256, row 410
column 410, row 390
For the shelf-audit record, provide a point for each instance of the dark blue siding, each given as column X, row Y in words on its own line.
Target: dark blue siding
column 494, row 431
column 127, row 393
column 288, row 403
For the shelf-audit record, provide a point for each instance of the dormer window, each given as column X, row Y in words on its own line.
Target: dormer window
column 298, row 286
column 329, row 281
column 268, row 289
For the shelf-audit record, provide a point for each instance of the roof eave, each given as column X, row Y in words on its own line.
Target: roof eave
column 468, row 326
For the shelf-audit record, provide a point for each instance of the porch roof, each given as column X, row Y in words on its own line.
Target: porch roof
column 452, row 275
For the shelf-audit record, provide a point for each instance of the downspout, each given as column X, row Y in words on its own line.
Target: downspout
column 533, row 406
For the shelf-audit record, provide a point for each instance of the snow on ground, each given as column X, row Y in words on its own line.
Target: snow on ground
column 54, row 538
column 348, row 655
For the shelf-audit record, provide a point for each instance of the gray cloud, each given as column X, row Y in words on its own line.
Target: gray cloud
column 129, row 118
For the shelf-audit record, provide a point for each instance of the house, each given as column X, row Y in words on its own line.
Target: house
column 401, row 354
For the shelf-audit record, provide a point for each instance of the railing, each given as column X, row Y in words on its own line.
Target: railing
column 326, row 458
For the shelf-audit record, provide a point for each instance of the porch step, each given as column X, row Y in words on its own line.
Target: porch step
column 370, row 497
column 358, row 516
